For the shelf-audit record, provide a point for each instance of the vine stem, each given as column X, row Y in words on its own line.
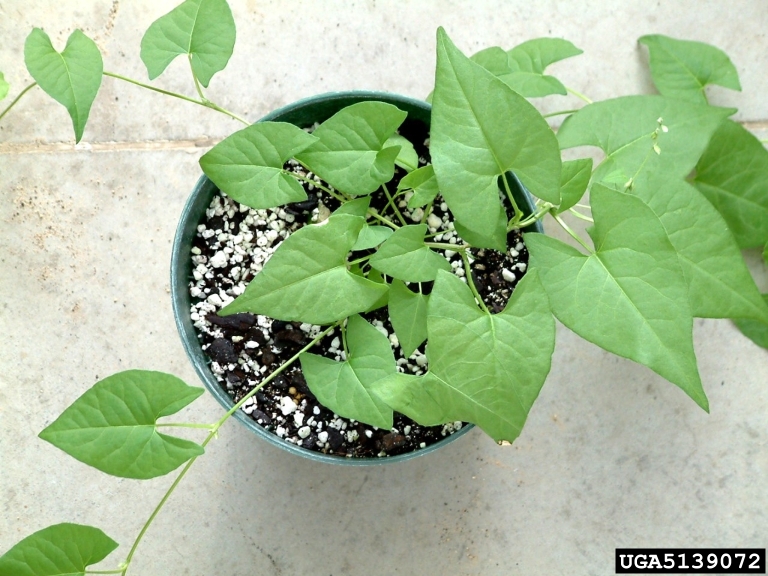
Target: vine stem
column 383, row 220
column 103, row 571
column 12, row 104
column 315, row 183
column 542, row 210
column 204, row 103
column 579, row 95
column 518, row 213
column 197, row 82
column 186, row 425
column 211, row 435
column 471, row 283
column 560, row 113
column 572, row 233
column 391, row 202
column 359, row 260
column 444, row 246
column 580, row 215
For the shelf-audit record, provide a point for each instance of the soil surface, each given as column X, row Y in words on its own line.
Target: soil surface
column 233, row 244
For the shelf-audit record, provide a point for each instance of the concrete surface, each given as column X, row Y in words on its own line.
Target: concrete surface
column 611, row 455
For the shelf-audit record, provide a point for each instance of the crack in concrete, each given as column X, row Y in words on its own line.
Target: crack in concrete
column 133, row 146
column 186, row 145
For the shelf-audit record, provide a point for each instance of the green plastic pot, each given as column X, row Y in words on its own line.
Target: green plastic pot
column 302, row 113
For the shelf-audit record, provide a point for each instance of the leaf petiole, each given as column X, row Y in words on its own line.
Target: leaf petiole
column 560, row 113
column 471, row 282
column 315, row 183
column 205, row 103
column 383, row 220
column 391, row 202
column 445, row 246
column 360, row 260
column 343, row 327
column 197, row 82
column 580, row 215
column 518, row 214
column 542, row 211
column 12, row 104
column 572, row 233
column 579, row 95
column 185, row 425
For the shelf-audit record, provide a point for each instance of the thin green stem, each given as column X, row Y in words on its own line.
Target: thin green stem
column 560, row 113
column 218, row 108
column 360, row 260
column 197, row 82
column 186, row 425
column 572, row 233
column 518, row 212
column 391, row 202
column 210, row 437
column 471, row 282
column 315, row 183
column 579, row 95
column 580, row 215
column 427, row 212
column 204, row 103
column 383, row 220
column 446, row 246
column 13, row 103
column 103, row 571
column 583, row 206
column 344, row 339
column 153, row 88
column 538, row 215
column 762, row 141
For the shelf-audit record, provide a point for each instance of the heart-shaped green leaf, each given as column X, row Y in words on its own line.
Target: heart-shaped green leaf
column 349, row 388
column 484, row 368
column 472, row 144
column 351, row 154
column 408, row 314
column 307, row 280
column 405, row 256
column 630, row 296
column 733, row 175
column 527, row 63
column 631, row 129
column 203, row 29
column 574, row 180
column 522, row 67
column 59, row 550
column 248, row 165
column 682, row 68
column 72, row 77
column 424, row 185
column 719, row 283
column 407, row 158
column 4, row 86
column 113, row 426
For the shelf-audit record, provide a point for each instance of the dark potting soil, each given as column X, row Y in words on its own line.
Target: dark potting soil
column 233, row 244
